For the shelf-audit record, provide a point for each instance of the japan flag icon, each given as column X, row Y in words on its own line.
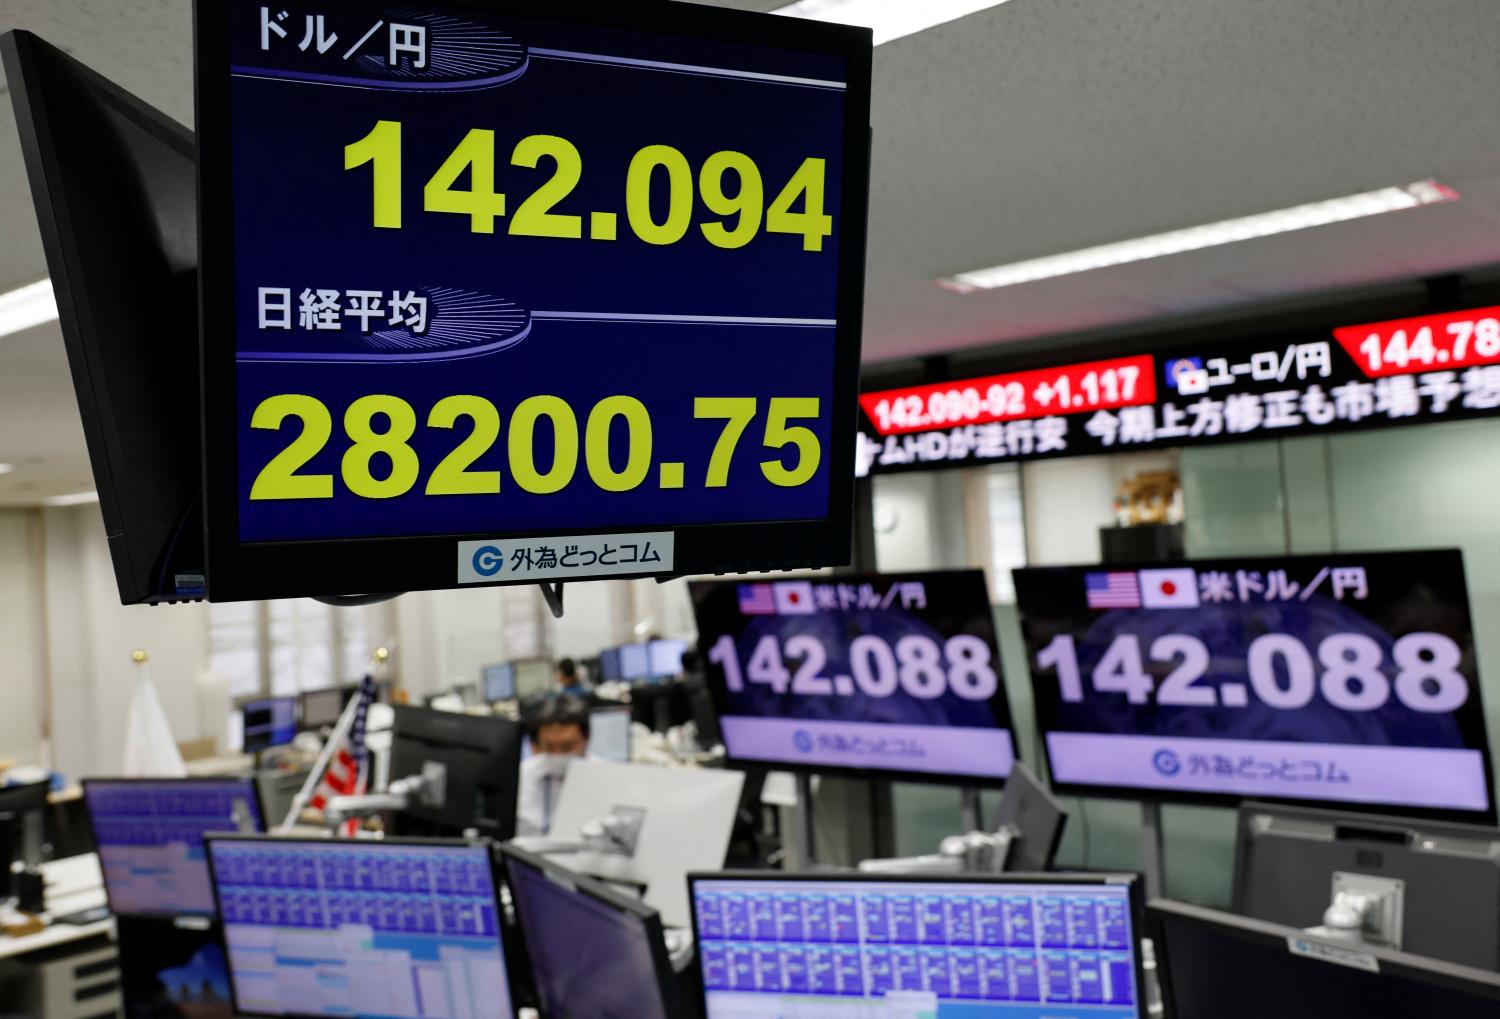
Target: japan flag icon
column 1169, row 589
column 794, row 598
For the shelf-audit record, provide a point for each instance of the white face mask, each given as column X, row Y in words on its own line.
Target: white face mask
column 552, row 765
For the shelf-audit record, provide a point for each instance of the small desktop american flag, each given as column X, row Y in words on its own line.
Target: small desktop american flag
column 1113, row 590
column 348, row 771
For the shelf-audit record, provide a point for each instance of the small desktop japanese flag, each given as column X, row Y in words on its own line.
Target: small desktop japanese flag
column 150, row 750
column 1169, row 589
column 794, row 598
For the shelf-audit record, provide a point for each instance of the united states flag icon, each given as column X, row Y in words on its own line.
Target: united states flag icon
column 757, row 600
column 1113, row 590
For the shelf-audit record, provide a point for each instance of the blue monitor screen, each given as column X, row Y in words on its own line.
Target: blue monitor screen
column 269, row 723
column 609, row 665
column 635, row 662
column 609, row 734
column 150, row 839
column 499, row 682
column 897, row 949
column 665, row 657
column 355, row 928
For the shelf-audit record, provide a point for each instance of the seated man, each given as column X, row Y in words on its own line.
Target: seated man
column 559, row 731
column 568, row 683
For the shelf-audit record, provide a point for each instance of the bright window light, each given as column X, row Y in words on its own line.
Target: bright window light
column 891, row 19
column 1195, row 238
column 27, row 306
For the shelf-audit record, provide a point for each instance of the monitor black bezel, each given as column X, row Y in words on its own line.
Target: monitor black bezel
column 1133, row 883
column 1153, row 794
column 1241, row 928
column 240, row 570
column 260, row 810
column 488, row 845
column 718, row 695
column 649, row 917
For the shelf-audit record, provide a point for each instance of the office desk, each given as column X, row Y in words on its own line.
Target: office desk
column 73, row 884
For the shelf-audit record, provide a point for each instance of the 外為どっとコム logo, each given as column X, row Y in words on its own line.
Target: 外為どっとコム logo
column 1166, row 762
column 488, row 561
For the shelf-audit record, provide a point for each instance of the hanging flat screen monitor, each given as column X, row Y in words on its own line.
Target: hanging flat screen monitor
column 531, row 292
column 843, row 946
column 149, row 836
column 1346, row 678
column 896, row 673
column 354, row 928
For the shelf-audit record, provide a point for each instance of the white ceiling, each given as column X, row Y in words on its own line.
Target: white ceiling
column 1033, row 128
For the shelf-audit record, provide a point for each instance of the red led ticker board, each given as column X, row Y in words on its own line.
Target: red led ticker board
column 1070, row 389
column 1406, row 346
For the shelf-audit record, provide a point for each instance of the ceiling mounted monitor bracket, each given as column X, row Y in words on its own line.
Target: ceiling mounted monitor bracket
column 554, row 595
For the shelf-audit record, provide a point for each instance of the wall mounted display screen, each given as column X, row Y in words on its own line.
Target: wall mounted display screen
column 894, row 673
column 1437, row 367
column 526, row 291
column 825, row 948
column 1346, row 678
column 355, row 929
column 149, row 836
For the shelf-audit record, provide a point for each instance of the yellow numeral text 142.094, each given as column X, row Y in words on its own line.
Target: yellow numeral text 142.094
column 729, row 184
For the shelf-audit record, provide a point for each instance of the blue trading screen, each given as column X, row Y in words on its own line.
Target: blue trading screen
column 909, row 950
column 150, row 839
column 361, row 929
column 268, row 723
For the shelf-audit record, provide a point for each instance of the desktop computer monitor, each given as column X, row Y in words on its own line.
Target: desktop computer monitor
column 684, row 815
column 635, row 662
column 479, row 757
column 595, row 953
column 1035, row 820
column 323, row 707
column 535, row 677
column 171, row 969
column 664, row 658
column 21, row 808
column 1437, row 884
column 149, row 834
column 498, row 682
column 848, row 946
column 360, row 928
column 1223, row 966
column 609, row 665
column 609, row 734
column 268, row 722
